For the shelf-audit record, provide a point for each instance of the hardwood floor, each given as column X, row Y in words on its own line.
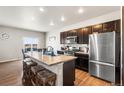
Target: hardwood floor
column 84, row 79
column 11, row 73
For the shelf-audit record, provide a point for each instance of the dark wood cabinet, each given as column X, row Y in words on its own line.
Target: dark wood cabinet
column 86, row 32
column 63, row 36
column 83, row 35
column 72, row 33
column 122, row 65
column 97, row 28
column 82, row 61
column 111, row 26
column 118, row 26
column 107, row 27
column 80, row 36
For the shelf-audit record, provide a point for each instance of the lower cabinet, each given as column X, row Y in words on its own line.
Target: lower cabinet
column 82, row 62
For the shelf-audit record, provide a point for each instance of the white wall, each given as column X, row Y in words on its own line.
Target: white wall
column 100, row 19
column 11, row 49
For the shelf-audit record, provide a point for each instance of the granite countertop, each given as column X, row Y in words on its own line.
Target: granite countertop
column 50, row 60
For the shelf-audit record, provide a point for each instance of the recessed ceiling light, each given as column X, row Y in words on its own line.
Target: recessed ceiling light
column 41, row 9
column 62, row 18
column 80, row 10
column 32, row 18
column 51, row 23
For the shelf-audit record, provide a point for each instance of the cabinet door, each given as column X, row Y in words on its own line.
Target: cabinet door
column 80, row 36
column 84, row 64
column 82, row 61
column 112, row 26
column 83, row 35
column 61, row 38
column 64, row 37
column 68, row 33
column 97, row 28
column 72, row 33
column 118, row 26
column 86, row 32
column 109, row 26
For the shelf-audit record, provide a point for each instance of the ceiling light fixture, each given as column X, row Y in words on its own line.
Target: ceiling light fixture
column 51, row 23
column 32, row 19
column 41, row 9
column 62, row 18
column 80, row 10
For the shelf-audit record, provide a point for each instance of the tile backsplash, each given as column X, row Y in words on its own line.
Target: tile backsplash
column 75, row 45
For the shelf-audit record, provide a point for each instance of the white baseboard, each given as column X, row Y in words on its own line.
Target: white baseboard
column 3, row 61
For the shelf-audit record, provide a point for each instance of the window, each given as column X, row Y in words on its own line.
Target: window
column 30, row 43
column 28, row 40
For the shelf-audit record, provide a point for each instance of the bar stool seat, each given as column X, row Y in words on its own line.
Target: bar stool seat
column 45, row 78
column 31, row 63
column 34, row 71
column 27, row 65
column 27, row 60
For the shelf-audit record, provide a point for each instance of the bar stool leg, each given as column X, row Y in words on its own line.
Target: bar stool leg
column 44, row 81
column 51, row 83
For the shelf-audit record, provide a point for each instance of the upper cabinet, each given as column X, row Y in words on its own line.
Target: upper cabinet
column 83, row 33
column 86, row 32
column 63, row 36
column 97, row 28
column 72, row 33
column 111, row 26
column 118, row 26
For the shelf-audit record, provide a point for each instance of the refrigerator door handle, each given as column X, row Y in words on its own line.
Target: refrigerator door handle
column 101, row 63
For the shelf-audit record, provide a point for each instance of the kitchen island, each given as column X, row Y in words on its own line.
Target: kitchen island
column 63, row 66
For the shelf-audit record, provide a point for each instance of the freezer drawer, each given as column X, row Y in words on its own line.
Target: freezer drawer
column 102, row 71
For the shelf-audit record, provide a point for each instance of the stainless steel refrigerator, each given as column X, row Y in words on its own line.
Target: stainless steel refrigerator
column 104, row 56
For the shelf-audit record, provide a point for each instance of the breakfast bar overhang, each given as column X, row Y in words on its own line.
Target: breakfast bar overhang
column 62, row 65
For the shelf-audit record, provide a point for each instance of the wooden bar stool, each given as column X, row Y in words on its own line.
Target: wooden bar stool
column 45, row 78
column 34, row 71
column 26, row 80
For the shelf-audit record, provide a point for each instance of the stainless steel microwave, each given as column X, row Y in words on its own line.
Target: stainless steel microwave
column 71, row 40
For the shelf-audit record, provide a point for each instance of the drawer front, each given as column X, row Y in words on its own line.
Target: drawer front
column 102, row 71
column 82, row 55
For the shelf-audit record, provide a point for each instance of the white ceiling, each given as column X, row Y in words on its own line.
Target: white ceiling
column 21, row 16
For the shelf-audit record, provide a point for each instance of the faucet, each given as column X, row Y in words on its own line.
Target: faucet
column 50, row 49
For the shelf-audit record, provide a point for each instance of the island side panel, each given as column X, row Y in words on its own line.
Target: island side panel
column 69, row 73
column 56, row 68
